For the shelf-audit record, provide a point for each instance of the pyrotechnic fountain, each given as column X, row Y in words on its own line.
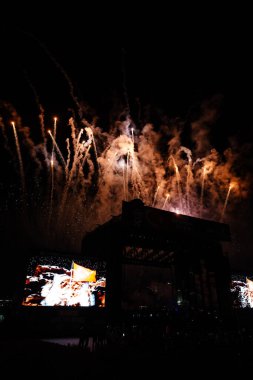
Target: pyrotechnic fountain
column 84, row 179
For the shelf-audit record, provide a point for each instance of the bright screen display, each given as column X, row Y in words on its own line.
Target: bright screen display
column 242, row 291
column 65, row 281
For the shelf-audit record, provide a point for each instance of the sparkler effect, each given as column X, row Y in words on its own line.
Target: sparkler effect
column 82, row 181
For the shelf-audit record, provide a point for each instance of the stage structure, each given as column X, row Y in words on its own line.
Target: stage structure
column 160, row 260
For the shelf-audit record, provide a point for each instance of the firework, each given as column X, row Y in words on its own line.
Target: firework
column 101, row 169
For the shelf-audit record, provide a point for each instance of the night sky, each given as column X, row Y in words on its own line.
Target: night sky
column 43, row 64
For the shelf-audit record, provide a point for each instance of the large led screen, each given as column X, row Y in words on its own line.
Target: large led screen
column 242, row 291
column 65, row 281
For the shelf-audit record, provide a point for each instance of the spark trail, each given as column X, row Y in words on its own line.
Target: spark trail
column 21, row 166
column 231, row 185
column 103, row 168
column 165, row 202
column 52, row 192
column 58, row 150
column 202, row 189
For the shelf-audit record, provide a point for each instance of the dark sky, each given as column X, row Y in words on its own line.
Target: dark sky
column 172, row 77
column 158, row 82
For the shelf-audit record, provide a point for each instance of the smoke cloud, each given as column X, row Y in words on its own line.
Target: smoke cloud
column 103, row 167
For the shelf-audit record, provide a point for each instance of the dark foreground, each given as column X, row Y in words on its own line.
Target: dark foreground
column 144, row 352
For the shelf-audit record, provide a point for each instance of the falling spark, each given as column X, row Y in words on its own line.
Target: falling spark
column 42, row 122
column 94, row 145
column 52, row 174
column 21, row 167
column 127, row 165
column 178, row 179
column 135, row 170
column 231, row 185
column 57, row 148
column 52, row 192
column 188, row 179
column 165, row 202
column 202, row 189
column 154, row 201
column 123, row 178
column 122, row 166
column 132, row 134
column 71, row 173
column 189, row 175
column 86, row 154
column 54, row 132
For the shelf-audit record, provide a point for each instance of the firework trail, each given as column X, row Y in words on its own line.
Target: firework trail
column 165, row 202
column 58, row 149
column 51, row 193
column 52, row 173
column 202, row 189
column 231, row 185
column 155, row 196
column 21, row 166
column 87, row 188
column 178, row 180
